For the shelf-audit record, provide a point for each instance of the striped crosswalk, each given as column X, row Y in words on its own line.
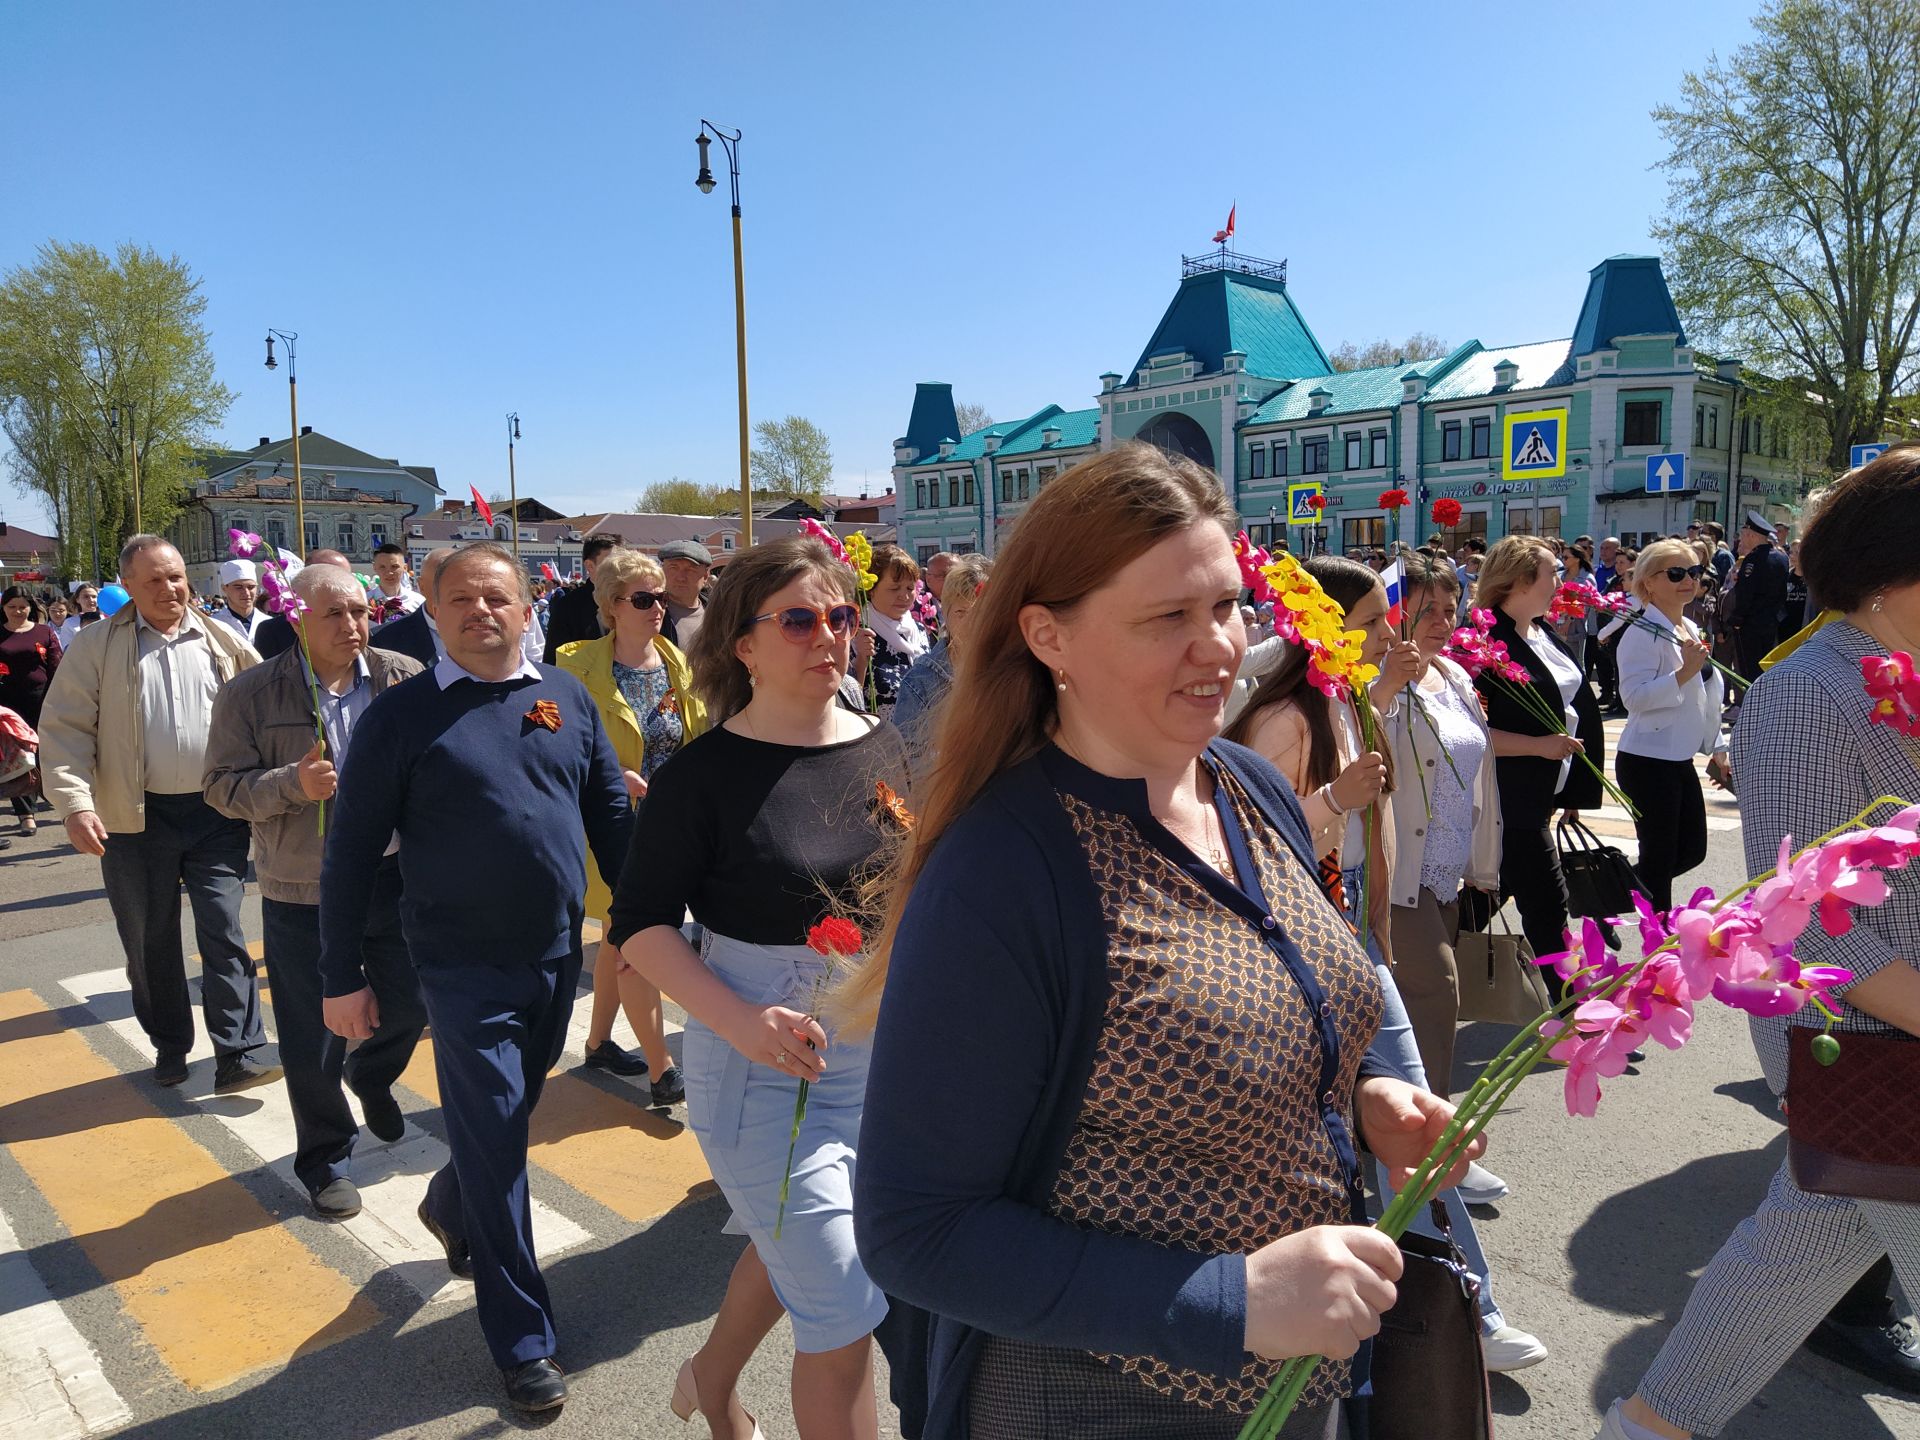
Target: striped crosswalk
column 214, row 1282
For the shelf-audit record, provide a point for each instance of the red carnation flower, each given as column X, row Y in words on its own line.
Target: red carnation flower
column 1446, row 512
column 1392, row 499
column 834, row 936
column 1318, row 502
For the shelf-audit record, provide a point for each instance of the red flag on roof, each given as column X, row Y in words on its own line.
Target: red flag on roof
column 1220, row 237
column 486, row 510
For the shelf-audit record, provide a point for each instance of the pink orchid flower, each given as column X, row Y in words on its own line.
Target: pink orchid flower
column 244, row 544
column 1251, row 558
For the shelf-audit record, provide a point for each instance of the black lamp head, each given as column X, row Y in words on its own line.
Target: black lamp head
column 272, row 364
column 705, row 178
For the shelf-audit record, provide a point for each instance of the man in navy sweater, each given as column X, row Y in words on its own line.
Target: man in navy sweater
column 485, row 759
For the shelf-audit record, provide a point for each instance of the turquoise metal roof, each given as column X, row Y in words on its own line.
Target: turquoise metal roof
column 1626, row 295
column 933, row 420
column 1540, row 365
column 1222, row 310
column 1375, row 388
column 1077, row 427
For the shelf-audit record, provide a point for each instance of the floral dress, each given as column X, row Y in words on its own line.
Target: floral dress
column 649, row 693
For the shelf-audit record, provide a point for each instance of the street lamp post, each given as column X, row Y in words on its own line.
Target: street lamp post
column 731, row 144
column 513, row 484
column 287, row 337
column 123, row 428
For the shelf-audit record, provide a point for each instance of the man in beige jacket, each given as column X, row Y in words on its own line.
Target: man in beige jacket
column 265, row 765
column 123, row 738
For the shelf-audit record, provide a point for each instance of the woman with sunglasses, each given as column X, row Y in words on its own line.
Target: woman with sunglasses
column 769, row 823
column 643, row 687
column 1673, row 700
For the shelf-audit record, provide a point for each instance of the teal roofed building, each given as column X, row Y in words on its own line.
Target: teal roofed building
column 1234, row 377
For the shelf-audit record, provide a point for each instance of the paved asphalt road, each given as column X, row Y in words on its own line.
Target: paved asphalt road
column 156, row 1261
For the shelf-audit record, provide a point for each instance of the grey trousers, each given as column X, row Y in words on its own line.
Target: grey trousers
column 1776, row 1277
column 186, row 840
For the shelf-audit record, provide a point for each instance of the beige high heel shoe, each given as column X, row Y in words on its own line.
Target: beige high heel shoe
column 686, row 1400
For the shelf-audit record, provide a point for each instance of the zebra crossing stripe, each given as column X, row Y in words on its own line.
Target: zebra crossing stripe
column 51, row 1385
column 158, row 1216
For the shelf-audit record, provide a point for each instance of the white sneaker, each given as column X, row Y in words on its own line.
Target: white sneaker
column 1482, row 1186
column 1508, row 1349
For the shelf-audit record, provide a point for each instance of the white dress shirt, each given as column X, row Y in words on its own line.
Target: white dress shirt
column 450, row 671
column 533, row 642
column 1667, row 718
column 177, row 686
column 248, row 627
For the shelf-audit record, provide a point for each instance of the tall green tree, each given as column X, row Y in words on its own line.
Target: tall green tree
column 793, row 457
column 1417, row 346
column 103, row 359
column 1793, row 195
column 680, row 497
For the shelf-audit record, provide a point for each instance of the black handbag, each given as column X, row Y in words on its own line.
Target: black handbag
column 1601, row 882
column 1429, row 1371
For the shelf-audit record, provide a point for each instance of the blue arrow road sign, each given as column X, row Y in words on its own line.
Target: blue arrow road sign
column 1666, row 473
column 1866, row 454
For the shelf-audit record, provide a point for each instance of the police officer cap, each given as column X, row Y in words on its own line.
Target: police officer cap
column 1758, row 523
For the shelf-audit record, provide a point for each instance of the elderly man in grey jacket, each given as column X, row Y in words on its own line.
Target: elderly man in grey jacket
column 123, row 738
column 271, row 762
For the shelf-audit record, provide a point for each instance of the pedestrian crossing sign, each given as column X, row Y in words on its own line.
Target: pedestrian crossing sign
column 1536, row 445
column 1300, row 507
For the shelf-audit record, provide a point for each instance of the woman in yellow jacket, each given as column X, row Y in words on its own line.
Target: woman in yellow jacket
column 644, row 689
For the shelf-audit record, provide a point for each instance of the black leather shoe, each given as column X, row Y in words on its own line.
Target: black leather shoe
column 1887, row 1353
column 382, row 1114
column 337, row 1200
column 611, row 1058
column 459, row 1257
column 241, row 1071
column 170, row 1069
column 670, row 1088
column 537, row 1385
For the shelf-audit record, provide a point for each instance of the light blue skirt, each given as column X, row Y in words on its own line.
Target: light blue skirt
column 742, row 1115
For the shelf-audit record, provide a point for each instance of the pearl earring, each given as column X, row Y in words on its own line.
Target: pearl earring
column 1062, row 687
column 1876, row 603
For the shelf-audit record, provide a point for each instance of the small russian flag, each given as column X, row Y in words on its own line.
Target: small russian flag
column 1392, row 577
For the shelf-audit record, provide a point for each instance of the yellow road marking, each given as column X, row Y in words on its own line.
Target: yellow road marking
column 638, row 1164
column 214, row 1282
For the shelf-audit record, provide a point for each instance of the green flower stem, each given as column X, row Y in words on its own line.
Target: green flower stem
column 793, row 1140
column 1653, row 629
column 319, row 724
column 1557, row 725
column 1484, row 1098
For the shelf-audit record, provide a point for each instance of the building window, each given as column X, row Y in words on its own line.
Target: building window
column 345, row 530
column 1041, row 476
column 726, row 542
column 376, row 534
column 1257, row 463
column 920, row 492
column 1023, row 481
column 1642, row 423
column 966, row 488
column 1365, row 532
column 1481, row 439
column 1313, row 457
column 1377, row 442
column 1472, row 526
column 277, row 533
column 313, row 535
column 1450, row 440
column 1713, row 427
column 953, row 490
column 1699, row 425
column 925, row 551
column 1279, row 459
column 1356, row 452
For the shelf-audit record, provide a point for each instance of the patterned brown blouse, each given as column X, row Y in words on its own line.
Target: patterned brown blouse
column 1201, row 1125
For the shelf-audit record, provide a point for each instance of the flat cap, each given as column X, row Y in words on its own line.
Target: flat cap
column 686, row 550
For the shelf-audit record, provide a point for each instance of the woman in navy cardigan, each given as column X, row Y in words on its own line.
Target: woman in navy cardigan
column 1133, row 1185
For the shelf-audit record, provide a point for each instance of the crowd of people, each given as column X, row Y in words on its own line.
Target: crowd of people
column 1100, row 936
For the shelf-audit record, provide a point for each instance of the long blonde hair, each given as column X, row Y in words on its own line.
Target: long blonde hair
column 1002, row 708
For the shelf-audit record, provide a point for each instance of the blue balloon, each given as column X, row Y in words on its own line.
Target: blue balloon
column 111, row 598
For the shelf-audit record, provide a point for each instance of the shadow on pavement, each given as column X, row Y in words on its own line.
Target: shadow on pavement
column 1641, row 1250
column 1756, row 1093
column 403, row 1374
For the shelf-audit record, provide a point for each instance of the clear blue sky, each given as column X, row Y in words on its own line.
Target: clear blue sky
column 466, row 209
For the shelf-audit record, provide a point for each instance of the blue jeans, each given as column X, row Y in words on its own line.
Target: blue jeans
column 1394, row 1046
